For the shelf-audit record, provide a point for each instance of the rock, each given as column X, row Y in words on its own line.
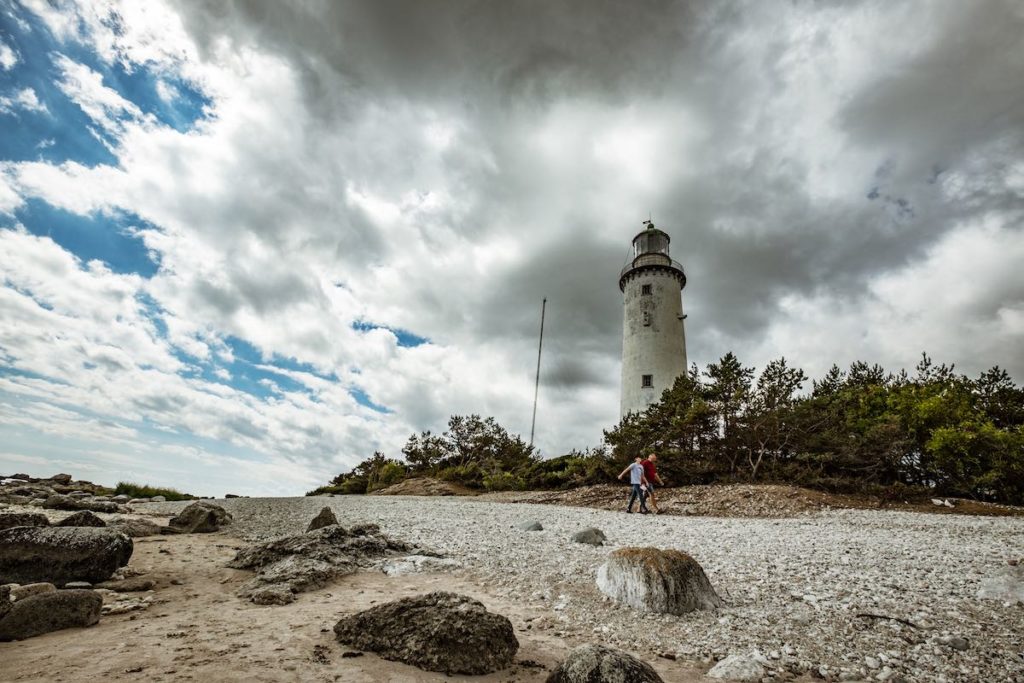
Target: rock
column 30, row 589
column 738, row 668
column 158, row 499
column 46, row 612
column 199, row 518
column 61, row 478
column 12, row 519
column 955, row 642
column 5, row 601
column 305, row 561
column 274, row 594
column 77, row 584
column 82, row 518
column 136, row 501
column 435, row 632
column 1005, row 584
column 60, row 501
column 324, row 518
column 121, row 499
column 414, row 564
column 532, row 525
column 602, row 664
column 653, row 580
column 135, row 528
column 590, row 536
column 231, row 495
column 23, row 477
column 61, row 554
column 135, row 584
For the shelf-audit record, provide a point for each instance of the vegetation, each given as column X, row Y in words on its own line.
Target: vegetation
column 861, row 430
column 145, row 491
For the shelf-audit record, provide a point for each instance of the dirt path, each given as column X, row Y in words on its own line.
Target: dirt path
column 200, row 631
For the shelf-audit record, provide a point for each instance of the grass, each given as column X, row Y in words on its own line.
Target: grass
column 146, row 491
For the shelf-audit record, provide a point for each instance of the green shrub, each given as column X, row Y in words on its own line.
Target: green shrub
column 128, row 488
column 504, row 481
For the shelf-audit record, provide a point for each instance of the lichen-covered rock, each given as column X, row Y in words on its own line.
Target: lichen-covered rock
column 746, row 668
column 199, row 518
column 136, row 528
column 30, row 589
column 310, row 560
column 59, row 555
column 46, row 612
column 653, row 580
column 590, row 536
column 82, row 518
column 324, row 518
column 13, row 519
column 59, row 501
column 436, row 632
column 590, row 663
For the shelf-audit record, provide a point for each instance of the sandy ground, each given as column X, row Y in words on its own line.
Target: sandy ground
column 200, row 631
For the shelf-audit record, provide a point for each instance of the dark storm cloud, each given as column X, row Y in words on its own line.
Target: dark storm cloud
column 747, row 225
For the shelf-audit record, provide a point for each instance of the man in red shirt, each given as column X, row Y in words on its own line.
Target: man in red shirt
column 651, row 475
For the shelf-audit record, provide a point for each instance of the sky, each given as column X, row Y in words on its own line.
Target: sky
column 243, row 245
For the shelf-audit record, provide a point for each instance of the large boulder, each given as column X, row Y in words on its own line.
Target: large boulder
column 301, row 562
column 12, row 519
column 59, row 555
column 436, row 632
column 590, row 663
column 747, row 668
column 199, row 518
column 82, row 518
column 653, row 580
column 135, row 527
column 61, row 478
column 46, row 612
column 324, row 518
column 59, row 501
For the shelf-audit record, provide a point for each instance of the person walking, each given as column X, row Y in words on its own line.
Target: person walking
column 651, row 474
column 637, row 479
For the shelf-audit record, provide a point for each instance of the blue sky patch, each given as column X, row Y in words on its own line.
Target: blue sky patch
column 406, row 339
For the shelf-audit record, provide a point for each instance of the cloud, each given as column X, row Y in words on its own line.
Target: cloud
column 846, row 184
column 8, row 58
column 23, row 100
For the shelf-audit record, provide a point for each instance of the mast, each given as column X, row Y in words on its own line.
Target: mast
column 536, row 385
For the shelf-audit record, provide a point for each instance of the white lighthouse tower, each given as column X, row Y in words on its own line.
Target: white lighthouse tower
column 653, row 339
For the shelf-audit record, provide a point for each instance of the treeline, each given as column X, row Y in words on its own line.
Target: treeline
column 862, row 430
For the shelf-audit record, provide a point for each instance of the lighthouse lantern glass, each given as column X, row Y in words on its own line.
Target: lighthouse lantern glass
column 650, row 242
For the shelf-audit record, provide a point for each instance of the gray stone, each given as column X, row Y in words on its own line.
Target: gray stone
column 158, row 499
column 532, row 525
column 199, row 518
column 46, row 612
column 30, row 589
column 13, row 519
column 58, row 555
column 137, row 501
column 61, row 478
column 121, row 498
column 324, row 518
column 738, row 668
column 955, row 642
column 135, row 584
column 435, row 632
column 82, row 518
column 275, row 594
column 590, row 536
column 414, row 564
column 590, row 663
column 136, row 528
column 77, row 584
column 60, row 501
column 653, row 580
column 310, row 560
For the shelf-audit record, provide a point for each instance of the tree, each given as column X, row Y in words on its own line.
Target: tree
column 769, row 417
column 727, row 394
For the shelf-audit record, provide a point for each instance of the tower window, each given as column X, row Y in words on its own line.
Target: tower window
column 647, row 319
column 645, row 289
column 647, row 381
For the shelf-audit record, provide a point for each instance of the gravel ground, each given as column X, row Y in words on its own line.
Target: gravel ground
column 794, row 587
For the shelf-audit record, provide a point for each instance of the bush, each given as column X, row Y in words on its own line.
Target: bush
column 504, row 481
column 128, row 488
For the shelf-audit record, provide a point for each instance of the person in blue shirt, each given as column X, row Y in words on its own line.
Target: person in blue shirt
column 638, row 480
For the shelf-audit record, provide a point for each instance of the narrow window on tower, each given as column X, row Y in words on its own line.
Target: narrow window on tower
column 645, row 290
column 647, row 319
column 647, row 381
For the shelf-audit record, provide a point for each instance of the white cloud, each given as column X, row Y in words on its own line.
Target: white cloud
column 23, row 100
column 8, row 57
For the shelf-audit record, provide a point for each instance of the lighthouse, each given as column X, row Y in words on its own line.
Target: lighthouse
column 653, row 338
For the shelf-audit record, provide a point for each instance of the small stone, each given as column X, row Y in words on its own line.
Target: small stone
column 738, row 668
column 78, row 584
column 590, row 536
column 531, row 525
column 955, row 642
